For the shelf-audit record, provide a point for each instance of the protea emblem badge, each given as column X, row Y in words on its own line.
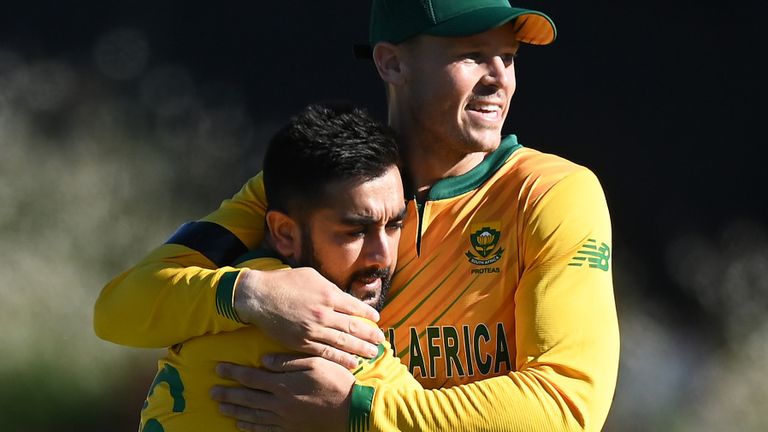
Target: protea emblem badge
column 484, row 241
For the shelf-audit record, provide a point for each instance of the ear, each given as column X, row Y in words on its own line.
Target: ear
column 285, row 234
column 389, row 63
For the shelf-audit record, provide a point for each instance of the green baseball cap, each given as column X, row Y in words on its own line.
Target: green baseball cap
column 395, row 21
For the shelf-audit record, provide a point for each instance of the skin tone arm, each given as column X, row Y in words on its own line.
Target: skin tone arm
column 307, row 313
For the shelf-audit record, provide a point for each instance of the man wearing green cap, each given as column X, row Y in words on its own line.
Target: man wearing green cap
column 502, row 302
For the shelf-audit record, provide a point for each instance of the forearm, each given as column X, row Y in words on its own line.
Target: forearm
column 178, row 291
column 541, row 397
column 521, row 401
column 159, row 303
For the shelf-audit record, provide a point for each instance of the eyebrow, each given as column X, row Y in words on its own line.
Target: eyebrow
column 358, row 219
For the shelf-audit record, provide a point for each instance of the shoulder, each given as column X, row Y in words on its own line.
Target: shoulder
column 533, row 173
column 529, row 162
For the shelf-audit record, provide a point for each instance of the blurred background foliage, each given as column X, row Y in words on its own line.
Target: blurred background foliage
column 119, row 122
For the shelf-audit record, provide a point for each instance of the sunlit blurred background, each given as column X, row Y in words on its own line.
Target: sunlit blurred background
column 120, row 122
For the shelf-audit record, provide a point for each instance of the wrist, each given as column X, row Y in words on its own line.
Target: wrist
column 244, row 299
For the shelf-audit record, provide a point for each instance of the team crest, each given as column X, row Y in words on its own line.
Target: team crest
column 484, row 240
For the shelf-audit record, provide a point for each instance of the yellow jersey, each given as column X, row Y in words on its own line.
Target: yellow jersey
column 501, row 304
column 179, row 397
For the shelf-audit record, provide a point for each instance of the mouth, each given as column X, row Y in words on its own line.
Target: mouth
column 486, row 111
column 366, row 289
column 370, row 286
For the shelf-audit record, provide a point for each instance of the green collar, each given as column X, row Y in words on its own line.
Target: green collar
column 455, row 186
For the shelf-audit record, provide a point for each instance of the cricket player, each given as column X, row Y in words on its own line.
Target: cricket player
column 502, row 301
column 336, row 204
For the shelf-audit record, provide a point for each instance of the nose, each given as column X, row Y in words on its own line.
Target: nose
column 496, row 74
column 380, row 249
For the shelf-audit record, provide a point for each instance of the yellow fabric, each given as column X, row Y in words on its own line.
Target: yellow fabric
column 166, row 298
column 179, row 398
column 526, row 342
column 546, row 330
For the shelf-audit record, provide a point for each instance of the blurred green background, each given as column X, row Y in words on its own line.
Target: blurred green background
column 120, row 122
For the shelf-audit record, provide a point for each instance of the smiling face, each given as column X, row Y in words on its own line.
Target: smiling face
column 352, row 240
column 456, row 91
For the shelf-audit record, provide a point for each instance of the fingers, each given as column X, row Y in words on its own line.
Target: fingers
column 251, row 377
column 250, row 419
column 323, row 322
column 340, row 347
column 308, row 376
column 244, row 397
column 363, row 330
column 249, row 407
column 336, row 355
column 347, row 333
column 288, row 362
column 356, row 337
column 250, row 427
column 250, row 415
column 347, row 304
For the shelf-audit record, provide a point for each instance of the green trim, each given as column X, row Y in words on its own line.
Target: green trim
column 225, row 296
column 360, row 408
column 256, row 254
column 169, row 375
column 454, row 186
column 363, row 360
column 152, row 425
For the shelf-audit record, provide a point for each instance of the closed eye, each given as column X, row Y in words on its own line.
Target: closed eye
column 357, row 232
column 508, row 58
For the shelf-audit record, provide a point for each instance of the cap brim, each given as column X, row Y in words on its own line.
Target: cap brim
column 531, row 27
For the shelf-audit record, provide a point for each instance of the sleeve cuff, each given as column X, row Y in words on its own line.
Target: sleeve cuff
column 225, row 296
column 360, row 408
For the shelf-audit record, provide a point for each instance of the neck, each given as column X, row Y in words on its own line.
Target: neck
column 425, row 168
column 427, row 159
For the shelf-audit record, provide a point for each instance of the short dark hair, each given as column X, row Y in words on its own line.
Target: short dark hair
column 325, row 143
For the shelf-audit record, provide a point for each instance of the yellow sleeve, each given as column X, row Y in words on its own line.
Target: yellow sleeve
column 566, row 332
column 384, row 371
column 184, row 288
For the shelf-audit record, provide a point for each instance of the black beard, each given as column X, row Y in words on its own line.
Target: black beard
column 380, row 273
column 309, row 259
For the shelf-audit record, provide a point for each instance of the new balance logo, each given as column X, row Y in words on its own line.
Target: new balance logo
column 591, row 254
